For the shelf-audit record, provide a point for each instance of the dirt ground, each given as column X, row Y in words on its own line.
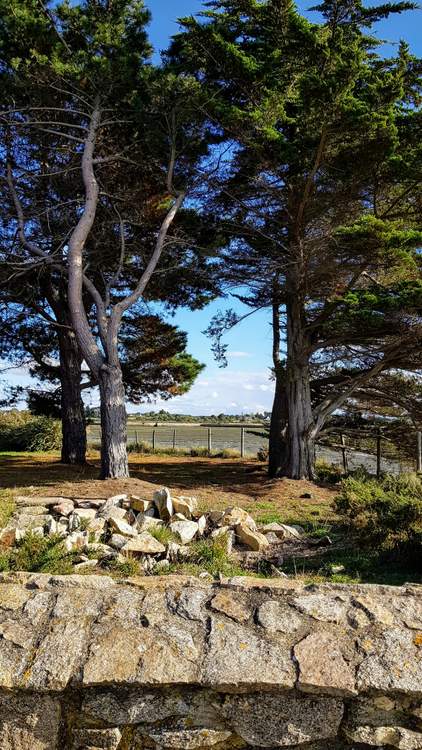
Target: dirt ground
column 217, row 483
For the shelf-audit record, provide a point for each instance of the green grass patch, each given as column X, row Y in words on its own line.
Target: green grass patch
column 162, row 534
column 146, row 449
column 360, row 566
column 39, row 554
column 7, row 506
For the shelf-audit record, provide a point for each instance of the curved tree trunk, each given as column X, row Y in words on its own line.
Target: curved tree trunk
column 114, row 462
column 72, row 407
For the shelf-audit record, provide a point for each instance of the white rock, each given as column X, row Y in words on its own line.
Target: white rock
column 96, row 528
column 292, row 532
column 74, row 522
column 191, row 502
column 184, row 530
column 182, row 505
column 87, row 564
column 139, row 505
column 86, row 502
column 116, row 499
column 112, row 502
column 51, row 526
column 252, row 539
column 117, row 541
column 234, row 516
column 178, row 517
column 64, row 508
column 202, row 525
column 76, row 540
column 113, row 512
column 144, row 544
column 21, row 533
column 176, row 552
column 122, row 527
column 163, row 502
column 85, row 513
column 144, row 522
column 63, row 526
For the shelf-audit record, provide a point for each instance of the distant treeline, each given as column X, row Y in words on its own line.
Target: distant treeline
column 165, row 416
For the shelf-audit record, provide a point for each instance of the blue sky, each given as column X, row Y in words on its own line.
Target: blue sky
column 245, row 385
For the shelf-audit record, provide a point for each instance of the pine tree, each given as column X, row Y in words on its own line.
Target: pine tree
column 320, row 196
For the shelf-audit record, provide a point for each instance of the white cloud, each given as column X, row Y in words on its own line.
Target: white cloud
column 248, row 387
column 238, row 355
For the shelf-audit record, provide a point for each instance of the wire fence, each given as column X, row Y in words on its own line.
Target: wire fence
column 356, row 448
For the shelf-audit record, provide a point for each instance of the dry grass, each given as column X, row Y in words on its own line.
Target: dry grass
column 217, row 483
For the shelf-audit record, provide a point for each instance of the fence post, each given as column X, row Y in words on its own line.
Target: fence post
column 343, row 450
column 209, row 440
column 419, row 453
column 153, row 440
column 137, row 437
column 242, row 442
column 379, row 453
column 174, row 439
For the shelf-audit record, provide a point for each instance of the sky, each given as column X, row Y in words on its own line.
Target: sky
column 245, row 385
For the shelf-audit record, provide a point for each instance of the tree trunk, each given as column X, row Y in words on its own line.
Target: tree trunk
column 300, row 463
column 277, row 437
column 114, row 463
column 72, row 407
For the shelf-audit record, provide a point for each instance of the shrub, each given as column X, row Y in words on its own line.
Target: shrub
column 211, row 555
column 385, row 513
column 35, row 553
column 162, row 534
column 21, row 431
column 328, row 473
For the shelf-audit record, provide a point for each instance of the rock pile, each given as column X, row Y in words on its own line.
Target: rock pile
column 154, row 532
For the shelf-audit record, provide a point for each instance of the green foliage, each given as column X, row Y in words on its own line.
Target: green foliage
column 35, row 553
column 162, row 534
column 211, row 555
column 7, row 507
column 21, row 431
column 386, row 514
column 328, row 473
column 123, row 569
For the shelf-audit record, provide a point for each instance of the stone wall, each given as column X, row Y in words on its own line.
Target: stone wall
column 89, row 663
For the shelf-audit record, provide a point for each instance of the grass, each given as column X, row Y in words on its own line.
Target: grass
column 146, row 449
column 162, row 534
column 210, row 556
column 35, row 553
column 360, row 566
column 7, row 506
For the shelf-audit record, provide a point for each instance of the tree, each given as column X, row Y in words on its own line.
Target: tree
column 82, row 102
column 36, row 329
column 154, row 363
column 320, row 195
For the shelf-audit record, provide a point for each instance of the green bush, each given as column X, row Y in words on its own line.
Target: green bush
column 328, row 473
column 35, row 553
column 385, row 513
column 21, row 431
